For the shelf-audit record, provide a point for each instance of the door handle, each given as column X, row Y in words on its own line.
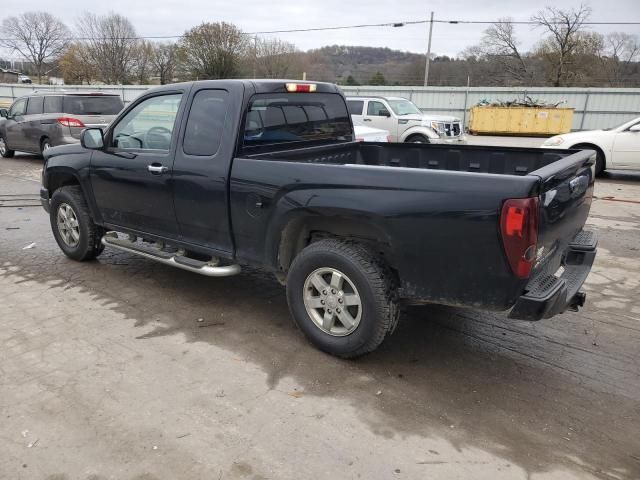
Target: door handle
column 366, row 119
column 157, row 169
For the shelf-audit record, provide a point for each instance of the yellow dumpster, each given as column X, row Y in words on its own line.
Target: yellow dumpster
column 488, row 120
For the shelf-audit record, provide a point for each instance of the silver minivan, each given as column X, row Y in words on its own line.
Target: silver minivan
column 41, row 120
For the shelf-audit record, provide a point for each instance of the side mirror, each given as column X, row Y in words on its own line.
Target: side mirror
column 635, row 128
column 92, row 138
column 4, row 113
column 384, row 113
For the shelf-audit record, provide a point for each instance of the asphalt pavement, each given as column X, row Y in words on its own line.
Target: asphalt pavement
column 127, row 369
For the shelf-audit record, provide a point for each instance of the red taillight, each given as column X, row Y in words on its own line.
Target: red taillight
column 300, row 87
column 70, row 122
column 519, row 228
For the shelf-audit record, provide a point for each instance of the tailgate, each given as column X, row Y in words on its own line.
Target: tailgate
column 565, row 252
column 565, row 200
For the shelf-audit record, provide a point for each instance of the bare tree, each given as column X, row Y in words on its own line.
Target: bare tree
column 213, row 50
column 274, row 58
column 564, row 28
column 111, row 45
column 164, row 59
column 499, row 41
column 38, row 37
column 142, row 65
column 618, row 52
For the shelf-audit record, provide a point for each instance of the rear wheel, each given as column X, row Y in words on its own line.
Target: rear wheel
column 5, row 151
column 76, row 234
column 417, row 139
column 342, row 297
column 45, row 144
column 600, row 161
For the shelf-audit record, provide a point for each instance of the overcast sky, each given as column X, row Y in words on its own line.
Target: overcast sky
column 173, row 17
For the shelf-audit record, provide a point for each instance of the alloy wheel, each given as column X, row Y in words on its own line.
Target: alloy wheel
column 68, row 225
column 332, row 302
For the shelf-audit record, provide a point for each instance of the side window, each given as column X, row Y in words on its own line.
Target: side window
column 355, row 107
column 34, row 107
column 149, row 125
column 53, row 104
column 374, row 108
column 18, row 108
column 206, row 121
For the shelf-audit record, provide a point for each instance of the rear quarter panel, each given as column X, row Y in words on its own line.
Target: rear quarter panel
column 442, row 227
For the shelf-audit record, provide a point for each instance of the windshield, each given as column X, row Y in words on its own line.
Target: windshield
column 296, row 117
column 621, row 124
column 87, row 105
column 404, row 107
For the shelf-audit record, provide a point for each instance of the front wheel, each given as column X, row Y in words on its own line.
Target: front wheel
column 76, row 234
column 342, row 297
column 417, row 139
column 5, row 151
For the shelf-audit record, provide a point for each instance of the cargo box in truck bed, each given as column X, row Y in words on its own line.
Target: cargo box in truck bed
column 266, row 174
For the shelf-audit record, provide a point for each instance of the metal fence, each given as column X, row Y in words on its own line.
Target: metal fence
column 594, row 107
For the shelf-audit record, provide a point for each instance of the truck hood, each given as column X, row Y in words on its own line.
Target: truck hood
column 71, row 149
column 430, row 118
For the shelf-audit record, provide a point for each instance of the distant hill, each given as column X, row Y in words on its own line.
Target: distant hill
column 340, row 61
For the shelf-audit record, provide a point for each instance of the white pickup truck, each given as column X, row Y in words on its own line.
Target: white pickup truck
column 404, row 121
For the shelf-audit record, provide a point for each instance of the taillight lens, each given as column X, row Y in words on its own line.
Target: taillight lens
column 519, row 228
column 70, row 122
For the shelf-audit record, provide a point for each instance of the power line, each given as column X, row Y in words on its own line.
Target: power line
column 363, row 25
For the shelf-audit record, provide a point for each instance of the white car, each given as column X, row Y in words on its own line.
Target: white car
column 617, row 147
column 369, row 134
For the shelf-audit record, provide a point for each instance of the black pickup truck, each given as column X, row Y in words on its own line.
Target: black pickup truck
column 212, row 175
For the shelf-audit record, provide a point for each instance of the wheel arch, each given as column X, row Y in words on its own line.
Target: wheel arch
column 58, row 177
column 593, row 146
column 304, row 230
column 418, row 130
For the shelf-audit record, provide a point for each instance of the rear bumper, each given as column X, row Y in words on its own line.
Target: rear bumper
column 548, row 294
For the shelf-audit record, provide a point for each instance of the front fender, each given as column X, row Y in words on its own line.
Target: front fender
column 419, row 130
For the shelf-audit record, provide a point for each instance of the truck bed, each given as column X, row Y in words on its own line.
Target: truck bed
column 442, row 227
column 464, row 158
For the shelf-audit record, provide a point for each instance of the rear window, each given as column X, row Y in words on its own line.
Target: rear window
column 355, row 107
column 274, row 119
column 206, row 121
column 88, row 105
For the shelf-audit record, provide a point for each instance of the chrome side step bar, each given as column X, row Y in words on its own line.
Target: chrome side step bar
column 210, row 269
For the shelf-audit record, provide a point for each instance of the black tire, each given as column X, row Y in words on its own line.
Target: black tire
column 600, row 166
column 44, row 144
column 375, row 285
column 417, row 139
column 6, row 152
column 600, row 161
column 88, row 245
